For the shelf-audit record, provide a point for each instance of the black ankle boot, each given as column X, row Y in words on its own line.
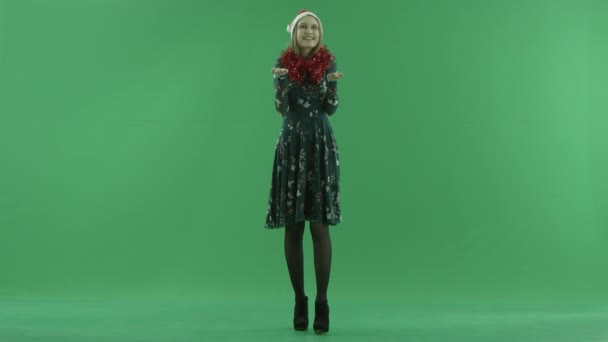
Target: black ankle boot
column 300, row 314
column 321, row 324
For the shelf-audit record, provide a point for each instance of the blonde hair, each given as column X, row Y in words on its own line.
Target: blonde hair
column 294, row 44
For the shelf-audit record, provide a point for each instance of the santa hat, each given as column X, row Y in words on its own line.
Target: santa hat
column 291, row 27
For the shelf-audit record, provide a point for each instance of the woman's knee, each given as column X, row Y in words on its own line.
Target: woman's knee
column 319, row 230
column 295, row 230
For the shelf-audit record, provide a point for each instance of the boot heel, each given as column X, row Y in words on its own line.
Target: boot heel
column 300, row 315
column 321, row 324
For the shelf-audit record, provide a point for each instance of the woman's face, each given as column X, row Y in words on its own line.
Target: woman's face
column 307, row 32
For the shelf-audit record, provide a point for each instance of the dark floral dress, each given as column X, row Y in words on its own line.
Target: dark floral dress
column 305, row 173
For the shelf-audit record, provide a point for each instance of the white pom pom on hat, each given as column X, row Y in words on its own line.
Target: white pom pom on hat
column 291, row 27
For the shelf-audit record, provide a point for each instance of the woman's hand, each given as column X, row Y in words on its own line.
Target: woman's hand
column 334, row 76
column 279, row 71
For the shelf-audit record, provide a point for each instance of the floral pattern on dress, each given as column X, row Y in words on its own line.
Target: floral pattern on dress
column 305, row 184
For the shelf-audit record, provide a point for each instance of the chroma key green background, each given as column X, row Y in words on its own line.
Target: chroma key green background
column 137, row 137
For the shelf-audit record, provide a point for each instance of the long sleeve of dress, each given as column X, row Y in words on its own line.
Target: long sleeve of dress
column 330, row 103
column 281, row 91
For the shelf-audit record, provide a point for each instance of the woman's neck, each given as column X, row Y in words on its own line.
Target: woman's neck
column 305, row 52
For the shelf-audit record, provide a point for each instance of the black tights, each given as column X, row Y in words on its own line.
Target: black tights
column 294, row 255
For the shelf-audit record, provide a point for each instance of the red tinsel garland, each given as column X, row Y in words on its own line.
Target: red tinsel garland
column 299, row 66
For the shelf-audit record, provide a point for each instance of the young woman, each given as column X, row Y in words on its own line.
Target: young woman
column 305, row 174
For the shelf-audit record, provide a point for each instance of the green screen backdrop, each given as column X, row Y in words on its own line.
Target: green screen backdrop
column 137, row 139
